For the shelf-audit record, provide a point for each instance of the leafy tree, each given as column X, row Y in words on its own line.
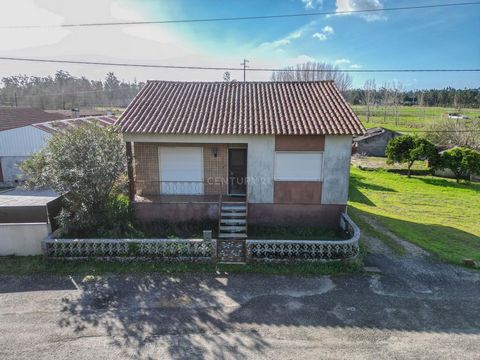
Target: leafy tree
column 407, row 149
column 314, row 71
column 84, row 163
column 461, row 161
column 64, row 91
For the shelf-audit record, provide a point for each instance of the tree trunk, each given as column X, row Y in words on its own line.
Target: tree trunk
column 408, row 167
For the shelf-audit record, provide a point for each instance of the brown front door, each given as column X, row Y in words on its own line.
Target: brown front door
column 237, row 171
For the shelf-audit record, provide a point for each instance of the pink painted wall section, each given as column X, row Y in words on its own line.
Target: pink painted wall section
column 178, row 212
column 297, row 192
column 299, row 143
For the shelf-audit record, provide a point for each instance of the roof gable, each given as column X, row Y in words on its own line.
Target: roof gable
column 240, row 108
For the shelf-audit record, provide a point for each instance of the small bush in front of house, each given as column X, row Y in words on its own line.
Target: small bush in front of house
column 176, row 230
column 279, row 232
column 85, row 163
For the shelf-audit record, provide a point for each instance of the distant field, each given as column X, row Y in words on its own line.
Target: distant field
column 410, row 117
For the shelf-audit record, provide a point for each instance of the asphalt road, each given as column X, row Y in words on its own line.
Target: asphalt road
column 417, row 308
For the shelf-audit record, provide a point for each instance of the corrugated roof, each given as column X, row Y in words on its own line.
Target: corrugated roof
column 81, row 113
column 57, row 125
column 240, row 108
column 13, row 117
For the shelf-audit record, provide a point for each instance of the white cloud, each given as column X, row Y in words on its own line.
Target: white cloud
column 355, row 66
column 17, row 13
column 342, row 61
column 324, row 34
column 294, row 35
column 320, row 36
column 355, row 5
column 145, row 44
column 327, row 30
column 300, row 59
column 311, row 4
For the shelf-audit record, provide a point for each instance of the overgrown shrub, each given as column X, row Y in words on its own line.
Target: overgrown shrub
column 461, row 162
column 84, row 163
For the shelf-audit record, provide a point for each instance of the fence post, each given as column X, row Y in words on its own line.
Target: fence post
column 248, row 253
column 207, row 237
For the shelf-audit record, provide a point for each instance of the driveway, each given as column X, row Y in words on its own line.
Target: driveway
column 416, row 308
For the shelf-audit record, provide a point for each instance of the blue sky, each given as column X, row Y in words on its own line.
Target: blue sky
column 430, row 38
column 433, row 38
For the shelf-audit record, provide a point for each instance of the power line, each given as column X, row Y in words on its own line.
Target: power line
column 240, row 18
column 66, row 93
column 197, row 67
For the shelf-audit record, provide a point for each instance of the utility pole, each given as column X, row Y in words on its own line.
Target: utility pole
column 244, row 63
column 16, row 103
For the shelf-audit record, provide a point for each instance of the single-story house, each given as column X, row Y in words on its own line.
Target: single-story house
column 24, row 131
column 374, row 142
column 262, row 152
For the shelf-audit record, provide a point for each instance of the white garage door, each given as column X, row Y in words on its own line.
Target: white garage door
column 181, row 170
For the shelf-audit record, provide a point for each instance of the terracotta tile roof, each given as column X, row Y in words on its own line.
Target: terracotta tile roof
column 12, row 117
column 57, row 125
column 251, row 108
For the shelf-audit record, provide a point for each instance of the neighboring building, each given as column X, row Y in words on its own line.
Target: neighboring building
column 24, row 131
column 374, row 142
column 271, row 152
column 18, row 138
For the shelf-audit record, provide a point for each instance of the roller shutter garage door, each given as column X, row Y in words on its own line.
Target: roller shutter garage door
column 181, row 170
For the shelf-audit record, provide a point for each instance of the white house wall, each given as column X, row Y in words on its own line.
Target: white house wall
column 260, row 160
column 22, row 141
column 16, row 145
column 260, row 168
column 10, row 169
column 336, row 169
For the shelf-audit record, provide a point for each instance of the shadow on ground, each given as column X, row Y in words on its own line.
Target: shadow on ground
column 357, row 183
column 205, row 316
column 445, row 242
column 188, row 317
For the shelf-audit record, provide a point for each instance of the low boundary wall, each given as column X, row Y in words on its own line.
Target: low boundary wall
column 22, row 239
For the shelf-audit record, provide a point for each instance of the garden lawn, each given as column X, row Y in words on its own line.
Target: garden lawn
column 437, row 214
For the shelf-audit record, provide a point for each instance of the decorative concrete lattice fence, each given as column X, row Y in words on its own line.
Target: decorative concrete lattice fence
column 265, row 250
column 182, row 249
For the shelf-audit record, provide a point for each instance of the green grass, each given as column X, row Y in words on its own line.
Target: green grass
column 292, row 233
column 29, row 265
column 410, row 117
column 437, row 214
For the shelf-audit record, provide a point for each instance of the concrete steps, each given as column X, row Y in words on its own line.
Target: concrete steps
column 232, row 232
